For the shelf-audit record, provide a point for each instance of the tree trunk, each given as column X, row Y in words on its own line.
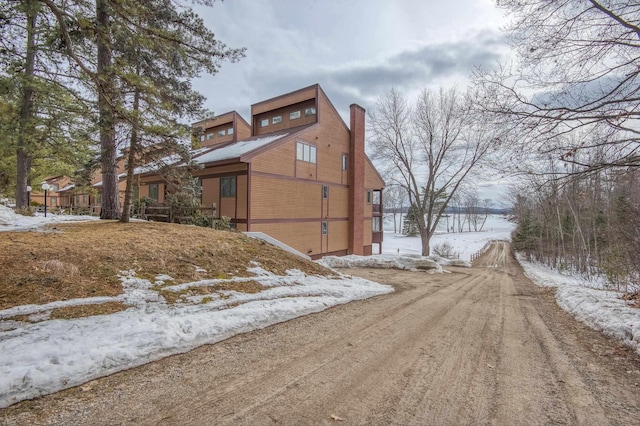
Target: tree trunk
column 26, row 110
column 425, row 238
column 110, row 208
column 131, row 159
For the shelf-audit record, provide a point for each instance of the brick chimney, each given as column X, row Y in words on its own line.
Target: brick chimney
column 356, row 184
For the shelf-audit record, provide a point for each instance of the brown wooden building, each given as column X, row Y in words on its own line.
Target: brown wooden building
column 300, row 175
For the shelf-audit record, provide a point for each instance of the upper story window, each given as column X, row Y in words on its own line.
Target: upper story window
column 210, row 136
column 368, row 197
column 222, row 132
column 294, row 115
column 345, row 161
column 201, row 138
column 325, row 191
column 276, row 120
column 310, row 111
column 264, row 122
column 230, row 131
column 228, row 186
column 306, row 152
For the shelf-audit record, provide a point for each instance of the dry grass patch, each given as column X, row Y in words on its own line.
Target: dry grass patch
column 241, row 287
column 77, row 260
column 70, row 312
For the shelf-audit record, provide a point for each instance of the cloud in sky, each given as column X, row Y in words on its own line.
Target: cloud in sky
column 356, row 50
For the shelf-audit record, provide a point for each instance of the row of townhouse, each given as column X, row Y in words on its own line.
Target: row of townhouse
column 297, row 173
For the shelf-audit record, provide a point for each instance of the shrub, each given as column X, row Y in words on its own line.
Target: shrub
column 445, row 250
column 25, row 211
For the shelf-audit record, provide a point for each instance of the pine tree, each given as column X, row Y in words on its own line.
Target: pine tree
column 410, row 224
column 41, row 118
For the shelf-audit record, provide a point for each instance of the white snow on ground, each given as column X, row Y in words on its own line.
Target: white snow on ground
column 402, row 252
column 9, row 221
column 587, row 301
column 50, row 355
column 464, row 243
column 411, row 262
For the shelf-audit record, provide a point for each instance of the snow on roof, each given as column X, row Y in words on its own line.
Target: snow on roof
column 237, row 149
column 67, row 188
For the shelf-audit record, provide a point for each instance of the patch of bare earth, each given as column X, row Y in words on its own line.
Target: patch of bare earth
column 78, row 260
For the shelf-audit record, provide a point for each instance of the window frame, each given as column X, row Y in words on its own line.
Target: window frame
column 222, row 132
column 276, row 119
column 228, row 190
column 345, row 162
column 294, row 115
column 309, row 111
column 264, row 122
column 156, row 188
column 306, row 152
column 376, row 220
column 325, row 192
column 230, row 131
column 369, row 197
column 324, row 227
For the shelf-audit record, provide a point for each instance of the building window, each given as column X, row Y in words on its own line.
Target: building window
column 368, row 197
column 325, row 227
column 276, row 120
column 210, row 136
column 310, row 111
column 54, row 201
column 375, row 224
column 325, row 191
column 294, row 115
column 264, row 122
column 201, row 138
column 84, row 199
column 306, row 152
column 153, row 191
column 345, row 161
column 230, row 131
column 222, row 132
column 228, row 186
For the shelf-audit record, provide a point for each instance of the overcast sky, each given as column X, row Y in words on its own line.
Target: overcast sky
column 357, row 50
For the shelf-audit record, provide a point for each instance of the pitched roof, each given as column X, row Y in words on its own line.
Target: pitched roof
column 240, row 148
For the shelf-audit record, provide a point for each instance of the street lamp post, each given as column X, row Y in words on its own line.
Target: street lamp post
column 45, row 187
column 28, row 196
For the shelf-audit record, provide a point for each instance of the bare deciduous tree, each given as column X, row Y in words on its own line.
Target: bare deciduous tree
column 432, row 146
column 395, row 201
column 578, row 73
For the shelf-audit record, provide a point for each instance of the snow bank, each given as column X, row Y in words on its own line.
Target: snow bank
column 40, row 358
column 432, row 264
column 602, row 310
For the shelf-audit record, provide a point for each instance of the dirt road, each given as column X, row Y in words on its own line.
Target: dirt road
column 477, row 346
